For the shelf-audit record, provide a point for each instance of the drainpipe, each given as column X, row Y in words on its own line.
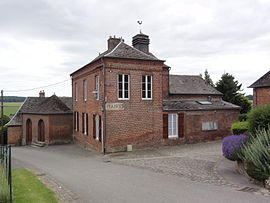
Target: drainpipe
column 104, row 109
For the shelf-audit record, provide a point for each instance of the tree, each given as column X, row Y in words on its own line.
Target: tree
column 243, row 102
column 207, row 78
column 229, row 87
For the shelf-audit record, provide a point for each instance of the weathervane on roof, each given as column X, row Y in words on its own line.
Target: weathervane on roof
column 140, row 23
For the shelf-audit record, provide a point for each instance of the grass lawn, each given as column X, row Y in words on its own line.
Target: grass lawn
column 11, row 107
column 28, row 188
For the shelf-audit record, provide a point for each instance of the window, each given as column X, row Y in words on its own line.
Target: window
column 85, row 123
column 85, row 90
column 123, row 87
column 75, row 91
column 97, row 87
column 97, row 126
column 173, row 126
column 146, row 87
column 210, row 125
column 76, row 121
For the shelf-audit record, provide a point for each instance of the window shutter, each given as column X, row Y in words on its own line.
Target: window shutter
column 78, row 121
column 82, row 122
column 94, row 127
column 165, row 126
column 86, row 123
column 74, row 119
column 181, row 125
column 100, row 127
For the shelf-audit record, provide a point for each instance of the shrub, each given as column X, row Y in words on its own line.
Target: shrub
column 239, row 127
column 259, row 118
column 231, row 145
column 256, row 153
column 242, row 117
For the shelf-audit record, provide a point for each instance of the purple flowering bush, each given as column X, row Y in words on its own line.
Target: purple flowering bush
column 231, row 144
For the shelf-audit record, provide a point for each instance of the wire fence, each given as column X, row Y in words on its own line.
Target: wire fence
column 5, row 175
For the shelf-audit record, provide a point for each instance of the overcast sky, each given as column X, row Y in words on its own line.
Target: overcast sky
column 43, row 41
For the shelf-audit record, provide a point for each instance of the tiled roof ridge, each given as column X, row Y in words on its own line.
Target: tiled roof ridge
column 257, row 82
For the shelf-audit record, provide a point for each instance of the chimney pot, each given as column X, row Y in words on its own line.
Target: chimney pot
column 42, row 94
column 113, row 42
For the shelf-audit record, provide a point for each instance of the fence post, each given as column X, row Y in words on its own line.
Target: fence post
column 2, row 118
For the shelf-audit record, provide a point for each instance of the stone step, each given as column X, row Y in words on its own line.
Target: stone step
column 38, row 144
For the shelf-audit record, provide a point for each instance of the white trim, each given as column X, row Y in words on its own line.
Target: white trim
column 146, row 87
column 85, row 90
column 97, row 87
column 171, row 125
column 97, row 127
column 123, row 87
column 85, row 123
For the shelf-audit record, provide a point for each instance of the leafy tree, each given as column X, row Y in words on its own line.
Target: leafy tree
column 207, row 78
column 243, row 102
column 229, row 87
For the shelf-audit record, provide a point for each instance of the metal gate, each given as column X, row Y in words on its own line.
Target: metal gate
column 5, row 174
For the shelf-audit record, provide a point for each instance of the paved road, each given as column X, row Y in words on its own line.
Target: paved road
column 94, row 180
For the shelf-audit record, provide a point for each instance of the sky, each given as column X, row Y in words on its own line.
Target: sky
column 43, row 41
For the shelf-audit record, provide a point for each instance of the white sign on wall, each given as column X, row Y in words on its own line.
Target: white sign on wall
column 115, row 106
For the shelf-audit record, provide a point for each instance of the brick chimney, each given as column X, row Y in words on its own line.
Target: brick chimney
column 113, row 42
column 42, row 93
column 141, row 42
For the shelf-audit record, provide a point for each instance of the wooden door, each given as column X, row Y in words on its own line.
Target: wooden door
column 41, row 131
column 28, row 131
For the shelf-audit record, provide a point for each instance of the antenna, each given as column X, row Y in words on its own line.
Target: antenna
column 140, row 24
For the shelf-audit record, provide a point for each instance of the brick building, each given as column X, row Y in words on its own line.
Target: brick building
column 45, row 119
column 125, row 96
column 261, row 90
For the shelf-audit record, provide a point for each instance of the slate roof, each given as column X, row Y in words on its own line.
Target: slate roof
column 194, row 105
column 124, row 51
column 190, row 84
column 264, row 81
column 42, row 105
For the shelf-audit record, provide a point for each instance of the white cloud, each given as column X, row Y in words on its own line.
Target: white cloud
column 42, row 42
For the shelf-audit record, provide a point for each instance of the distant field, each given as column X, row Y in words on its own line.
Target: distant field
column 11, row 107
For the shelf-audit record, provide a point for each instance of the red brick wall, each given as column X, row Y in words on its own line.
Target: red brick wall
column 194, row 119
column 14, row 135
column 61, row 128
column 58, row 128
column 261, row 96
column 91, row 106
column 35, row 119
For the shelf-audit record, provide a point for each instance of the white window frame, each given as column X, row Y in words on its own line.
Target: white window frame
column 97, row 87
column 146, row 87
column 123, row 87
column 209, row 126
column 85, row 123
column 85, row 90
column 97, row 127
column 76, row 91
column 171, row 119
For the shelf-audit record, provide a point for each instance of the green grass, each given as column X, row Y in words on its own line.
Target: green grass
column 11, row 107
column 28, row 188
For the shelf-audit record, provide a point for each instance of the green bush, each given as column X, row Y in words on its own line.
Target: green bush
column 242, row 117
column 239, row 127
column 256, row 173
column 259, row 118
column 256, row 152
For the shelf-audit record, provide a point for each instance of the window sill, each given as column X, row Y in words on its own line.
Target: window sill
column 143, row 99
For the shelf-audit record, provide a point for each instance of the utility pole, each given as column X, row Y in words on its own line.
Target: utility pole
column 2, row 117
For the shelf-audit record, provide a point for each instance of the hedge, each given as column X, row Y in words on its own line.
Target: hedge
column 240, row 127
